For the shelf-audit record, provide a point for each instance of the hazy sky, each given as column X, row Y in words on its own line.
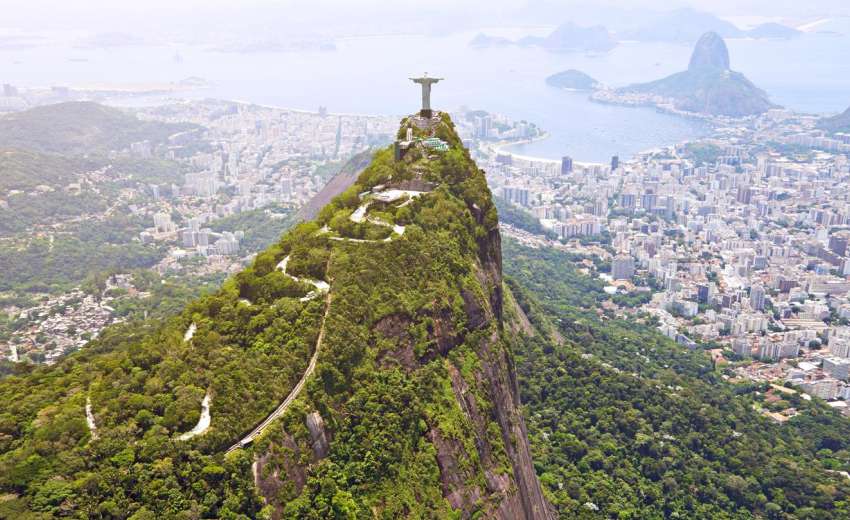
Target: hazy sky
column 208, row 18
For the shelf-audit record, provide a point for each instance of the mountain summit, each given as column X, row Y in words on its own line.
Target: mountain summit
column 710, row 53
column 359, row 368
column 708, row 86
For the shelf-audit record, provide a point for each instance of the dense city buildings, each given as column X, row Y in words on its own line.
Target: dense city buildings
column 566, row 165
column 742, row 237
column 240, row 172
column 259, row 157
column 237, row 169
column 737, row 242
column 622, row 267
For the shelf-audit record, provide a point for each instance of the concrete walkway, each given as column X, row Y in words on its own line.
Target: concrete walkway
column 359, row 214
column 320, row 285
column 203, row 422
column 190, row 332
column 358, row 217
column 90, row 419
column 393, row 195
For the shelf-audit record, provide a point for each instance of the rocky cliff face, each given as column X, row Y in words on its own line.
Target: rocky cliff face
column 346, row 176
column 458, row 445
column 501, row 376
column 710, row 53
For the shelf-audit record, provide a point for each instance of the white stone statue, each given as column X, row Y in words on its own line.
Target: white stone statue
column 426, row 83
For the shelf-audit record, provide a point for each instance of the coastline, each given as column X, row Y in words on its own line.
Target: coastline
column 305, row 111
column 498, row 146
column 713, row 122
column 665, row 107
column 501, row 147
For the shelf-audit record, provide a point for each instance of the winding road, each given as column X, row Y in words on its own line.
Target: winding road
column 248, row 439
column 320, row 285
column 358, row 216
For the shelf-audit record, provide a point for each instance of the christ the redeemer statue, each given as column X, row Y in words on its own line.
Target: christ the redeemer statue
column 426, row 83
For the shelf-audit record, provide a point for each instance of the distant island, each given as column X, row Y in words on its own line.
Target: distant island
column 570, row 36
column 678, row 26
column 482, row 40
column 567, row 37
column 839, row 123
column 572, row 79
column 708, row 88
column 773, row 31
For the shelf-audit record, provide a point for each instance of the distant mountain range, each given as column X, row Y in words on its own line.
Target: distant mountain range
column 570, row 36
column 686, row 25
column 708, row 86
column 679, row 26
column 567, row 37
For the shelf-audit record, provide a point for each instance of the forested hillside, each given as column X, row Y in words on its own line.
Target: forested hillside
column 837, row 123
column 376, row 332
column 64, row 211
column 624, row 423
column 370, row 364
column 77, row 128
column 22, row 169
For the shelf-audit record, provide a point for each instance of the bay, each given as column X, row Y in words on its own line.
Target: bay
column 369, row 75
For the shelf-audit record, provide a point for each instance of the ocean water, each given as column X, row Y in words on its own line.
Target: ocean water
column 370, row 75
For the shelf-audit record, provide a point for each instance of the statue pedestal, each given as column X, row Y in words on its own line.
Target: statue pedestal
column 425, row 122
